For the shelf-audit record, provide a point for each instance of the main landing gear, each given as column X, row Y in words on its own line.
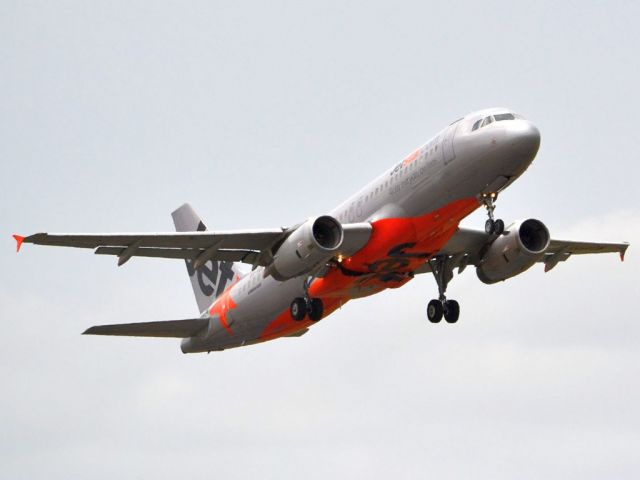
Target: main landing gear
column 301, row 307
column 492, row 226
column 441, row 307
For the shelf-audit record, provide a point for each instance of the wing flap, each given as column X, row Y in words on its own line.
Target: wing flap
column 167, row 328
column 221, row 255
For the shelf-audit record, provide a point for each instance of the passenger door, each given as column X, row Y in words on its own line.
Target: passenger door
column 448, row 153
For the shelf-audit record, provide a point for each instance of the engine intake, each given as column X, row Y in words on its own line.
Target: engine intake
column 513, row 253
column 314, row 242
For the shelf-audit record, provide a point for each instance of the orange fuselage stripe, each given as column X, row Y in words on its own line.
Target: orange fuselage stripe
column 396, row 248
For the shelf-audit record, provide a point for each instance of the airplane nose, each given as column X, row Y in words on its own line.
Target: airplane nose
column 524, row 138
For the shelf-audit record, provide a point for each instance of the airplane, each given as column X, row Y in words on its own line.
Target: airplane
column 252, row 286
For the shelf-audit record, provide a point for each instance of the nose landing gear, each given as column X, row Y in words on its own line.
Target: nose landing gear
column 442, row 270
column 492, row 226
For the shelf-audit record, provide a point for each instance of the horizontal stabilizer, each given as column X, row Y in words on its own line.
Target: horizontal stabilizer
column 167, row 328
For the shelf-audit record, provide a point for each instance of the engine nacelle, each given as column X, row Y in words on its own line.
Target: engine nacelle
column 314, row 242
column 513, row 253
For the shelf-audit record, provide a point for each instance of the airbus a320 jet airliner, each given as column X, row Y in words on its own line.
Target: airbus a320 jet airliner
column 403, row 223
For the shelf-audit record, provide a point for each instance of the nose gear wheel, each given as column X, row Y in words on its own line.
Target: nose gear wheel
column 492, row 226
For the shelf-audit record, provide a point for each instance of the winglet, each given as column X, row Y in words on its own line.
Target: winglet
column 623, row 251
column 19, row 240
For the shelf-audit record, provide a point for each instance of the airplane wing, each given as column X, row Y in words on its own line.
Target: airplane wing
column 236, row 246
column 467, row 245
column 561, row 250
column 254, row 247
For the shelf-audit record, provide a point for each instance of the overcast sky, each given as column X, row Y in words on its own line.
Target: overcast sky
column 262, row 114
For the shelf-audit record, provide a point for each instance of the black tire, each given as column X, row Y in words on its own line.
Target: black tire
column 498, row 227
column 315, row 309
column 451, row 311
column 435, row 311
column 489, row 227
column 298, row 309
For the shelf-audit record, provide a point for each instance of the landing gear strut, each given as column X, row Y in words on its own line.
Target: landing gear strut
column 442, row 269
column 303, row 306
column 492, row 226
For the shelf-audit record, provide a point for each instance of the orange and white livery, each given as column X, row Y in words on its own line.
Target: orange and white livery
column 258, row 285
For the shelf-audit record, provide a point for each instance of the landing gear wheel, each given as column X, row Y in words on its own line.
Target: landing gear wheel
column 489, row 227
column 498, row 227
column 435, row 311
column 298, row 309
column 494, row 227
column 451, row 311
column 315, row 309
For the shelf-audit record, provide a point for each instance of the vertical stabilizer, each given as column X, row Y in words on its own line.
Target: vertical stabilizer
column 212, row 278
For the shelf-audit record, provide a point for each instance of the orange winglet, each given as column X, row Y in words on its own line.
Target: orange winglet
column 622, row 256
column 19, row 240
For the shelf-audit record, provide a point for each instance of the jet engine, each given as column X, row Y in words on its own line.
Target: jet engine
column 314, row 242
column 514, row 252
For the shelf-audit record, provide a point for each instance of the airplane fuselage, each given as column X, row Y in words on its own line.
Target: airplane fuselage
column 414, row 209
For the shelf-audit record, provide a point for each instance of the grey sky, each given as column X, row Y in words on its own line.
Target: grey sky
column 262, row 114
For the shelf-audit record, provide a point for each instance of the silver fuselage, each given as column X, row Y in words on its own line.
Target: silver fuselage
column 457, row 163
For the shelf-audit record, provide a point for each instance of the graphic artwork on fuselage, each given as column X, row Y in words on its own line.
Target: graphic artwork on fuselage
column 219, row 274
column 397, row 259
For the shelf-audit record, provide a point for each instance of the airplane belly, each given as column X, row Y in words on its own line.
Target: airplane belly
column 397, row 244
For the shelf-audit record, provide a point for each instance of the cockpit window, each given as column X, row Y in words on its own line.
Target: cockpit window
column 483, row 122
column 487, row 121
column 504, row 116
